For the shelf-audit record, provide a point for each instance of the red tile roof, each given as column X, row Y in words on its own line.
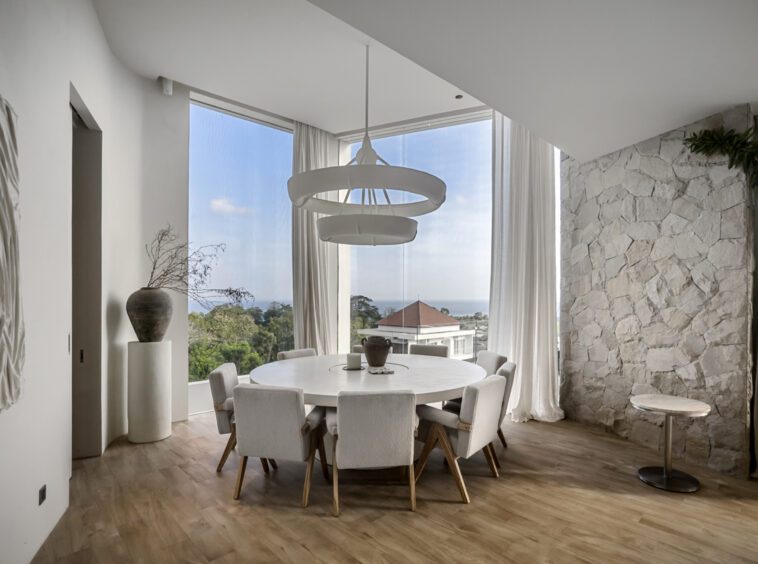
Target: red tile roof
column 418, row 314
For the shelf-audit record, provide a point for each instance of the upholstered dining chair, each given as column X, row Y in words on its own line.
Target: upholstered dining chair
column 507, row 371
column 372, row 430
column 271, row 423
column 429, row 350
column 465, row 434
column 295, row 353
column 491, row 362
column 222, row 382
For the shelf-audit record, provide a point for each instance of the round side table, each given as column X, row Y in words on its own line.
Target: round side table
column 665, row 477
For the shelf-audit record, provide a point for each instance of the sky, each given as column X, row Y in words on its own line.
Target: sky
column 450, row 257
column 238, row 196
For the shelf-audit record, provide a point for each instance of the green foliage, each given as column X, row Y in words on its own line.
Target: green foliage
column 364, row 307
column 248, row 337
column 363, row 315
column 740, row 148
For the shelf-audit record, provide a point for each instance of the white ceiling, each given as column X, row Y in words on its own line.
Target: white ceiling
column 283, row 56
column 590, row 76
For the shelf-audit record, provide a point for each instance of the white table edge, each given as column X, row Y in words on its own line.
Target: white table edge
column 702, row 412
column 421, row 398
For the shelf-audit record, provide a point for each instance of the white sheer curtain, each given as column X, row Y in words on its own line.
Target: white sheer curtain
column 522, row 321
column 315, row 268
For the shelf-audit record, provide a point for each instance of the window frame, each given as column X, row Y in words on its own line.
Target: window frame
column 199, row 400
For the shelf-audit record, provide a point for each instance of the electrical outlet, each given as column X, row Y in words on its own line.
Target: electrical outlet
column 42, row 494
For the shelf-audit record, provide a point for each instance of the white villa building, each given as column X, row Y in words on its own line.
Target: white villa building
column 420, row 323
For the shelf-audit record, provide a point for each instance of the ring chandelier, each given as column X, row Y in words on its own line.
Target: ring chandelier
column 369, row 222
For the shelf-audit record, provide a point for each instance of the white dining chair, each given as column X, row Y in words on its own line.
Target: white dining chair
column 465, row 434
column 372, row 430
column 429, row 350
column 295, row 353
column 271, row 423
column 507, row 371
column 222, row 382
column 491, row 362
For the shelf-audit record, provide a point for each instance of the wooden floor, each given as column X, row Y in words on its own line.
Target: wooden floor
column 566, row 494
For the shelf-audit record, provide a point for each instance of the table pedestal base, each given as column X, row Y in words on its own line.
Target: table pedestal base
column 671, row 481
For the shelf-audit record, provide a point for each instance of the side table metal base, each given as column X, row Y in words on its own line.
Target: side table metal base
column 675, row 481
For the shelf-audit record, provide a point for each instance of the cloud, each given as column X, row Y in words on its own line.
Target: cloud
column 225, row 206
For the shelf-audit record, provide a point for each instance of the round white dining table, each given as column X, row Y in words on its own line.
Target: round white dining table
column 322, row 378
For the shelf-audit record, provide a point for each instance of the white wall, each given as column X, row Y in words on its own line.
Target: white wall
column 44, row 46
column 165, row 168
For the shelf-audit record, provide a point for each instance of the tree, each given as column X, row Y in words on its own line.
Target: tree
column 363, row 315
column 241, row 354
column 265, row 342
column 445, row 310
column 203, row 359
column 364, row 308
column 257, row 314
column 230, row 333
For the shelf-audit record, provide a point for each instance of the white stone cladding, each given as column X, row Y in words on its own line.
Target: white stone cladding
column 656, row 286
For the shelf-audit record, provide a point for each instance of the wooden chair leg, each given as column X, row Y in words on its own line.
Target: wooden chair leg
column 490, row 461
column 335, row 481
column 240, row 477
column 431, row 441
column 228, row 449
column 309, row 471
column 502, row 438
column 452, row 461
column 322, row 458
column 494, row 455
column 264, row 463
column 274, row 465
column 412, row 486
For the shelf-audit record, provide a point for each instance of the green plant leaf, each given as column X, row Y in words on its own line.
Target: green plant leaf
column 741, row 149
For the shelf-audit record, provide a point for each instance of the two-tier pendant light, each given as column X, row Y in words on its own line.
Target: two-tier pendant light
column 369, row 222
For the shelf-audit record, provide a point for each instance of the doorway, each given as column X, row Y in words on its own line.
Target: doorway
column 86, row 282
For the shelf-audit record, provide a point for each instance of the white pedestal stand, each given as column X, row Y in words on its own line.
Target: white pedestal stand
column 149, row 391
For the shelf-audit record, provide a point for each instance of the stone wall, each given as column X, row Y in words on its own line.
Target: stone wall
column 656, row 281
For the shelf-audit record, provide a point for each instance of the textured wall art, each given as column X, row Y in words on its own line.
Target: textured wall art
column 11, row 315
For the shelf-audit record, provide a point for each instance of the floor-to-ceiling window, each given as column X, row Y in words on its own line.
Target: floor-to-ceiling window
column 238, row 198
column 448, row 265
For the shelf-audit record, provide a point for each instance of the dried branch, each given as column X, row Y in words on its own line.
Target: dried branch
column 175, row 266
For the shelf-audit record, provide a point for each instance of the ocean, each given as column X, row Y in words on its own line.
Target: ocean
column 456, row 307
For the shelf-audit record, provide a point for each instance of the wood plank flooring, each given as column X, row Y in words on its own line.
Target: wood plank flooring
column 566, row 493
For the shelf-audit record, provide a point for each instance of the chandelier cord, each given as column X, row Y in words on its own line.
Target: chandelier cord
column 367, row 63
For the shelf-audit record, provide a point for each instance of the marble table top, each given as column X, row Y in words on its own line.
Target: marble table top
column 671, row 405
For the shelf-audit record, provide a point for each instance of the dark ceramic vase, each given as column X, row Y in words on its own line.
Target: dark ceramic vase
column 376, row 350
column 149, row 310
